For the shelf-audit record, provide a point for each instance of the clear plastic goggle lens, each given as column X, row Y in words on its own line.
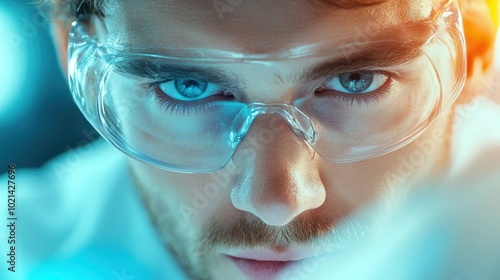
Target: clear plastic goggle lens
column 148, row 106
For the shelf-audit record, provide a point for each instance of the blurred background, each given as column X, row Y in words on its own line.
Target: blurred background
column 38, row 118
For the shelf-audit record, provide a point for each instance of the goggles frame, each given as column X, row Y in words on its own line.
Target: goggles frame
column 83, row 47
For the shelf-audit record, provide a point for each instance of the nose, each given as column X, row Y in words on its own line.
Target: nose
column 278, row 179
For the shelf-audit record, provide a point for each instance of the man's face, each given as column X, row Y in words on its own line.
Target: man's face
column 276, row 198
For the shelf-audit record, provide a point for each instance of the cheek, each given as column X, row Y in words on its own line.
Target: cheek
column 192, row 198
column 357, row 184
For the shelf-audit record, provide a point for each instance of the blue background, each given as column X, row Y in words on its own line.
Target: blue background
column 38, row 118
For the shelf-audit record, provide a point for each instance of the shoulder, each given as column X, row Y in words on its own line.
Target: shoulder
column 73, row 180
column 79, row 217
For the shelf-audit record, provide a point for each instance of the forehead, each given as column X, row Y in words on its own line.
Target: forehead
column 253, row 26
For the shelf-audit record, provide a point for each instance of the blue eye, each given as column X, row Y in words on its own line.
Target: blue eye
column 356, row 82
column 183, row 96
column 189, row 89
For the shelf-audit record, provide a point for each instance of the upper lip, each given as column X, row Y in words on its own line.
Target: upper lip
column 276, row 254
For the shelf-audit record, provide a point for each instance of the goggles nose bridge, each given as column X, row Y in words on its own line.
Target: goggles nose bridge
column 300, row 124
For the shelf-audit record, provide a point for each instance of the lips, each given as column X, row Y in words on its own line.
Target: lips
column 268, row 264
column 262, row 270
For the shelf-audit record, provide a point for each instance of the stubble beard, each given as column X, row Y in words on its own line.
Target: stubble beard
column 172, row 232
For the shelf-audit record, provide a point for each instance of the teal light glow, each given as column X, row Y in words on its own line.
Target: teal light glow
column 13, row 65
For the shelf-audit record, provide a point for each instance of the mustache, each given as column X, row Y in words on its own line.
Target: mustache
column 252, row 232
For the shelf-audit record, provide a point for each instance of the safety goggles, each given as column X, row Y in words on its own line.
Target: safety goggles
column 187, row 110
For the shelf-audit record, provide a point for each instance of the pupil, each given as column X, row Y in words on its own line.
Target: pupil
column 355, row 77
column 191, row 83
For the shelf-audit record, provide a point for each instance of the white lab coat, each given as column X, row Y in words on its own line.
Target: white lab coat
column 79, row 217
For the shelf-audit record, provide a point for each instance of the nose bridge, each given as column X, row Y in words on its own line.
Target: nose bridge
column 278, row 179
column 298, row 122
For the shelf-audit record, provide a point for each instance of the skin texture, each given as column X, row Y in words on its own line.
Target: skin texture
column 267, row 197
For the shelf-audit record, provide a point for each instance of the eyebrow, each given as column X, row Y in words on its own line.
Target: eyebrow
column 148, row 69
column 379, row 52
